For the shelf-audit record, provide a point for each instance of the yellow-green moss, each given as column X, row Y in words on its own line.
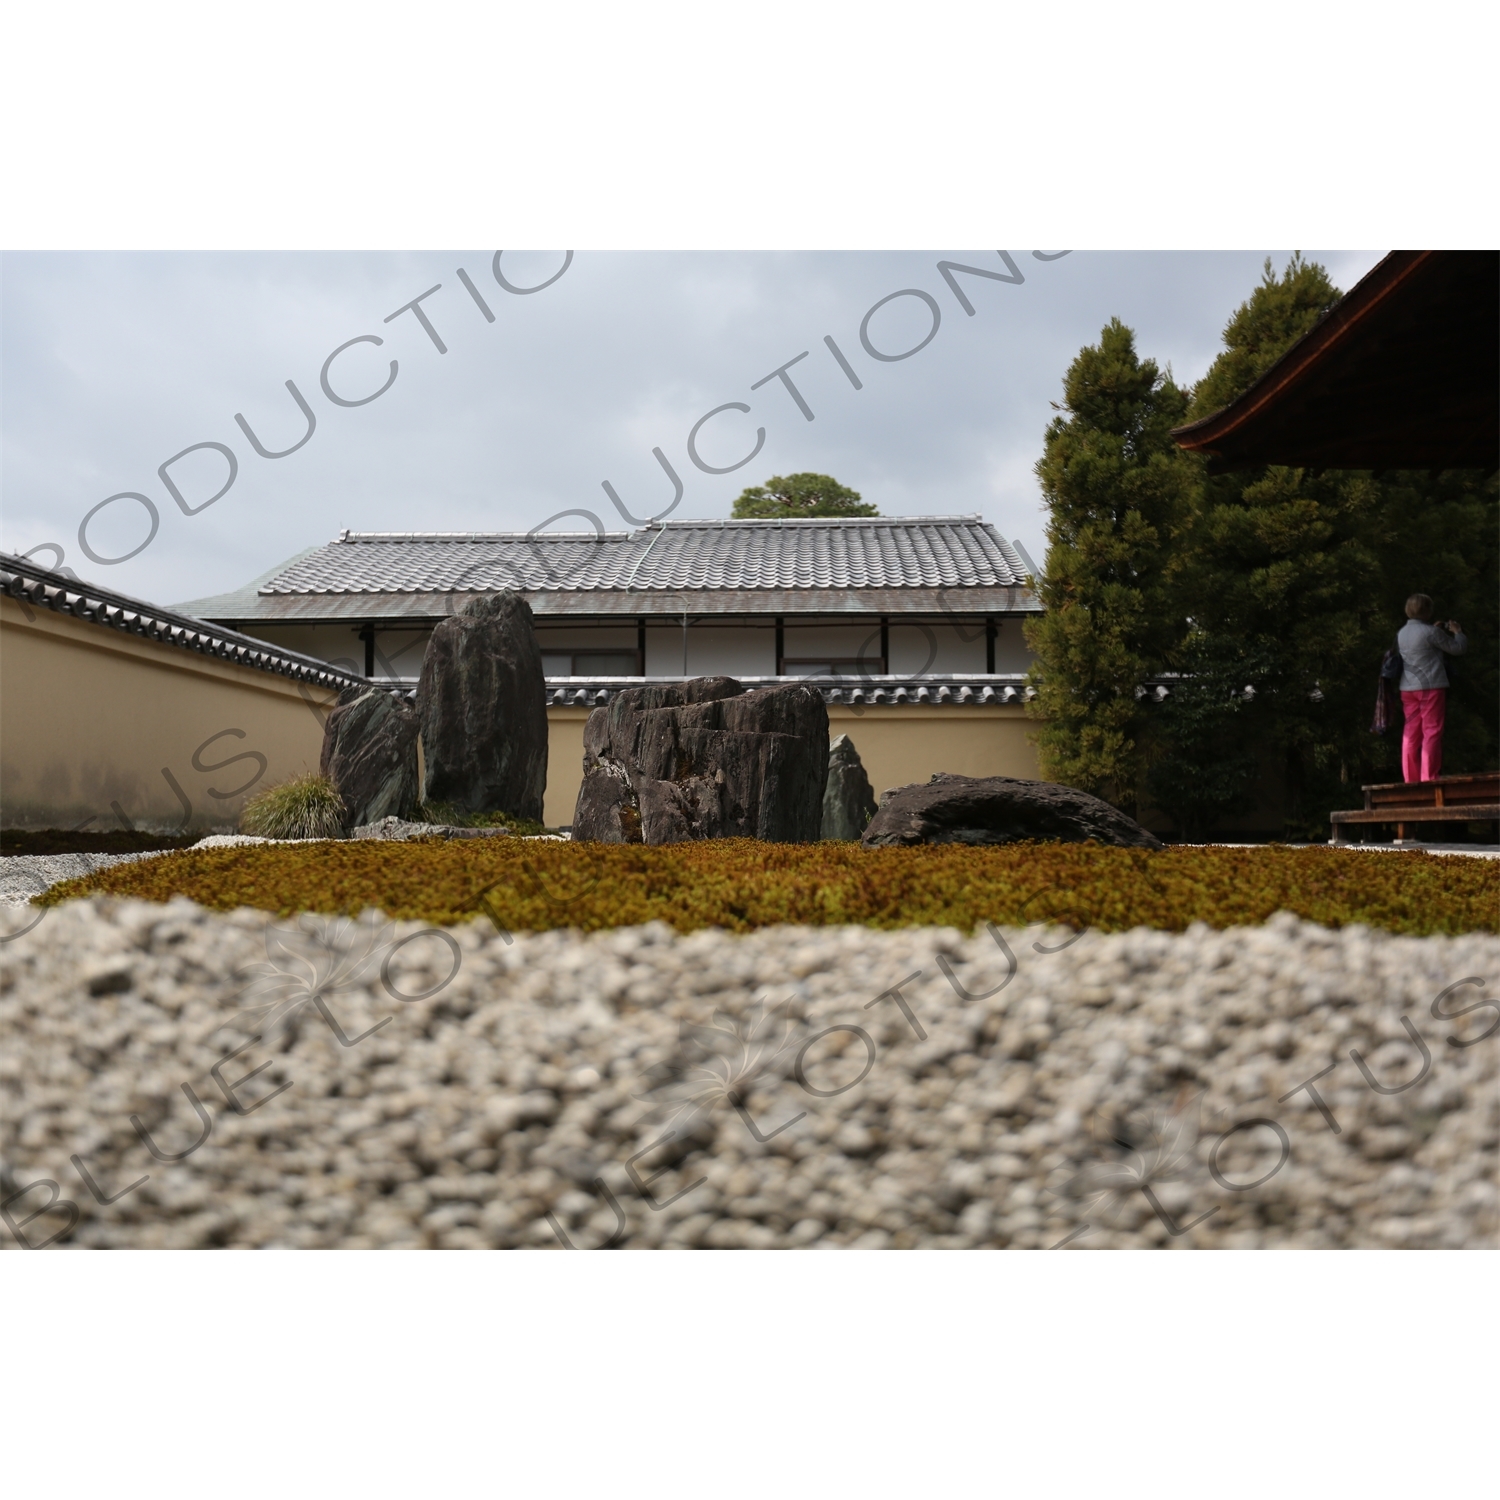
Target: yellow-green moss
column 741, row 884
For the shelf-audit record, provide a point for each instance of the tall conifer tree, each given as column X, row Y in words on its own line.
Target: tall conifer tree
column 1118, row 491
column 1269, row 595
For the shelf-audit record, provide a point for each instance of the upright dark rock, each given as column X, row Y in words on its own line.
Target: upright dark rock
column 370, row 754
column 848, row 797
column 999, row 810
column 704, row 760
column 483, row 707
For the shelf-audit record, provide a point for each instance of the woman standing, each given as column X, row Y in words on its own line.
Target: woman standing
column 1424, row 687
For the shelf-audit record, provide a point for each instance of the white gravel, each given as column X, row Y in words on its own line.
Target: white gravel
column 1085, row 1100
column 23, row 876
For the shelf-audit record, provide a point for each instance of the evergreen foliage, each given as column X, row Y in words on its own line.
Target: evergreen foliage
column 1281, row 309
column 1283, row 588
column 1267, row 597
column 800, row 495
column 1206, row 765
column 1118, row 492
column 1295, row 581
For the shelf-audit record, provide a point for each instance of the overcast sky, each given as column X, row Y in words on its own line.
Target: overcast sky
column 112, row 363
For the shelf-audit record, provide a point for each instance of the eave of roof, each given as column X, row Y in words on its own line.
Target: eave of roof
column 44, row 589
column 976, row 688
column 656, row 604
column 1403, row 373
column 226, row 606
column 980, row 689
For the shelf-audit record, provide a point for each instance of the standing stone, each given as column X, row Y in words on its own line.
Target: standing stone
column 704, row 759
column 370, row 754
column 848, row 797
column 999, row 810
column 483, row 709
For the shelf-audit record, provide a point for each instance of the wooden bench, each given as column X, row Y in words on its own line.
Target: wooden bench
column 1448, row 799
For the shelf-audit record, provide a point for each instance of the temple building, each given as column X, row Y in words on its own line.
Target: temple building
column 910, row 627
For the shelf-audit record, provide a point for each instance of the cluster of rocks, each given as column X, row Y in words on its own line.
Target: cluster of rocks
column 1281, row 1086
column 476, row 737
column 704, row 760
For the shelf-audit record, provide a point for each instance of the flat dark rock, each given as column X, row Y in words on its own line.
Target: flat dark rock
column 399, row 830
column 370, row 754
column 483, row 708
column 704, row 759
column 1000, row 810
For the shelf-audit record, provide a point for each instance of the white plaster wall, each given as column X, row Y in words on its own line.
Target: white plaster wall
column 398, row 653
column 587, row 638
column 1012, row 654
column 936, row 649
column 846, row 642
column 338, row 644
column 712, row 650
column 747, row 651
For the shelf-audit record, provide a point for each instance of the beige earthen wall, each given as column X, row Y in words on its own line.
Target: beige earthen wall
column 898, row 742
column 96, row 723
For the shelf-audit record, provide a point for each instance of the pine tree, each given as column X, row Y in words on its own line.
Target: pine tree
column 1118, row 492
column 795, row 495
column 1277, row 314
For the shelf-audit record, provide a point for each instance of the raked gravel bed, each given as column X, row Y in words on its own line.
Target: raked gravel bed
column 638, row 1088
column 23, row 876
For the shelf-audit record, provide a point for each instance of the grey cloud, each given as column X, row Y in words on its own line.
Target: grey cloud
column 114, row 363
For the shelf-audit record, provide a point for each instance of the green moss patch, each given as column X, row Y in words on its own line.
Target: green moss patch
column 741, row 884
column 453, row 816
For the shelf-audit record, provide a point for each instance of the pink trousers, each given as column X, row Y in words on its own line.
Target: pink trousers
column 1422, row 739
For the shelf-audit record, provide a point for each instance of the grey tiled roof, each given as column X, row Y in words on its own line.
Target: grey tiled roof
column 876, row 553
column 65, row 594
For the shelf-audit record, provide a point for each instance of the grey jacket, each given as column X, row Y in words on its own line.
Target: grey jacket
column 1422, row 647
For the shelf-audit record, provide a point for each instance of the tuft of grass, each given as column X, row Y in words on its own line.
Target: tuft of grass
column 455, row 817
column 306, row 807
column 742, row 884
